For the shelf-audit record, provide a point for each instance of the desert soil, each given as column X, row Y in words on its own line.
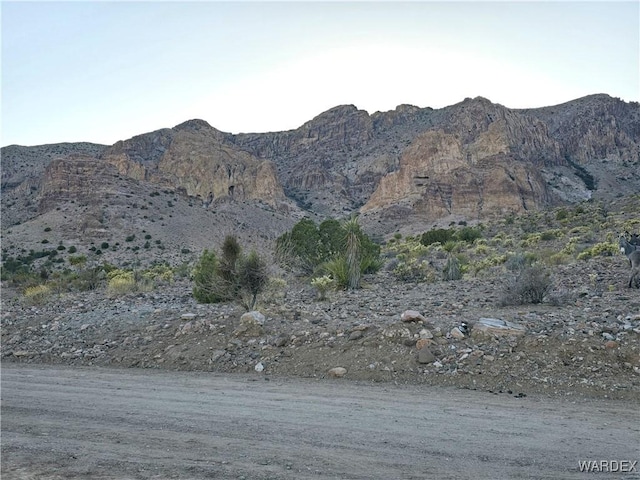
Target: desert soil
column 61, row 422
column 585, row 347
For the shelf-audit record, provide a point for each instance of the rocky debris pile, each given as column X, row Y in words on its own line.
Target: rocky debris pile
column 448, row 333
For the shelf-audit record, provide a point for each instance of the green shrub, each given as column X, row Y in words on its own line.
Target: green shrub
column 232, row 277
column 452, row 270
column 206, row 281
column 438, row 235
column 338, row 270
column 468, row 234
column 78, row 260
column 308, row 247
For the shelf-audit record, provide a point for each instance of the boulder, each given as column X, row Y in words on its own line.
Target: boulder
column 497, row 327
column 425, row 355
column 412, row 316
column 337, row 372
column 250, row 325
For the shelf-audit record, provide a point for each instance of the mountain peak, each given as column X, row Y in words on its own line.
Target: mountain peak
column 193, row 125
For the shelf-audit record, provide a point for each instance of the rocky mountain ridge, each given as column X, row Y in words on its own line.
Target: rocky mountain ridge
column 404, row 170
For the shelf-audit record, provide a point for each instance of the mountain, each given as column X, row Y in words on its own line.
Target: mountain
column 403, row 170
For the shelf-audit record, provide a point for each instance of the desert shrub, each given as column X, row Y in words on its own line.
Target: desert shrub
column 77, row 261
column 121, row 283
column 516, row 262
column 410, row 260
column 322, row 285
column 206, row 281
column 549, row 235
column 160, row 273
column 308, row 247
column 437, row 235
column 481, row 249
column 89, row 279
column 530, row 240
column 338, row 270
column 72, row 249
column 529, row 286
column 37, row 294
column 562, row 214
column 468, row 234
column 414, row 270
column 274, row 290
column 599, row 249
column 130, row 238
column 231, row 277
column 452, row 270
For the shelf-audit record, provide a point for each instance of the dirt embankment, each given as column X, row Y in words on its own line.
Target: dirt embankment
column 588, row 347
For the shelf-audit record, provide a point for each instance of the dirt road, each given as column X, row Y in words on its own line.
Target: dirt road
column 94, row 423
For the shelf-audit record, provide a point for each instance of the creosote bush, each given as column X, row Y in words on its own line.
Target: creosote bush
column 529, row 286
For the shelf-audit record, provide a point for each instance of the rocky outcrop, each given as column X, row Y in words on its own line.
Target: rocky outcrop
column 196, row 158
column 594, row 128
column 484, row 161
column 82, row 179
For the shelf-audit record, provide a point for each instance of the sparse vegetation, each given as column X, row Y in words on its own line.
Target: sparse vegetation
column 332, row 247
column 529, row 286
column 232, row 277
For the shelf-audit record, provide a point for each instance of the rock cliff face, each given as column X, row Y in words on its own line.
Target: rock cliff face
column 76, row 177
column 196, row 158
column 466, row 161
column 597, row 127
column 484, row 161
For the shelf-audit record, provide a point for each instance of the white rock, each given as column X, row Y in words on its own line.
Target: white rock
column 188, row 316
column 252, row 317
column 424, row 333
column 259, row 367
column 412, row 316
column 337, row 372
column 456, row 333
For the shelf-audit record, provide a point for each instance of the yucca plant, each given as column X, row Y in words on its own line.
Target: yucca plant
column 353, row 252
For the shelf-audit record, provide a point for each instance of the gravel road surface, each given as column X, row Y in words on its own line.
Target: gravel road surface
column 96, row 423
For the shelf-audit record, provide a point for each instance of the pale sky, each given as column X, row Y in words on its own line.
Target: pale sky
column 106, row 71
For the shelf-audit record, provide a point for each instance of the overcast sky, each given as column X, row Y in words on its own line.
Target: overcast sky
column 106, row 71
